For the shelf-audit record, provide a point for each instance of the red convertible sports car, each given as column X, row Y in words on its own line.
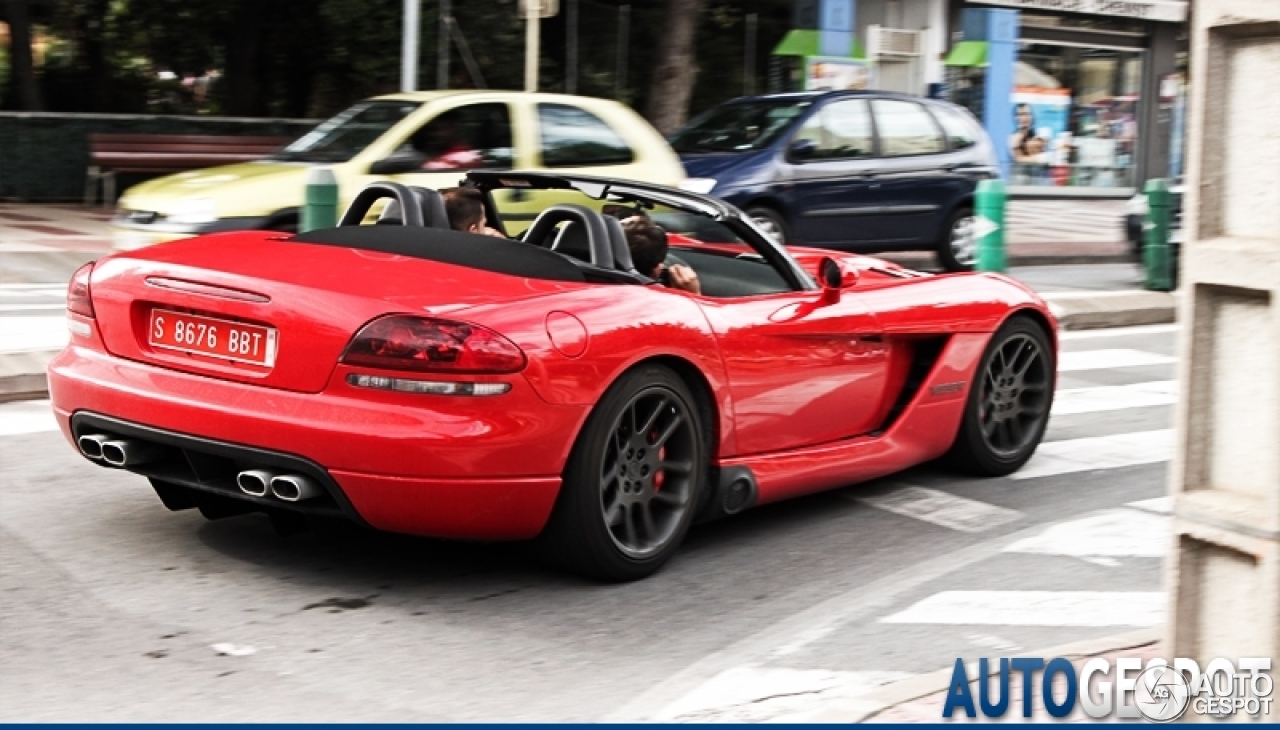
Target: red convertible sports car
column 421, row 380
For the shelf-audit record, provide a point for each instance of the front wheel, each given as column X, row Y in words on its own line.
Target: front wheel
column 633, row 479
column 770, row 221
column 1008, row 406
column 957, row 249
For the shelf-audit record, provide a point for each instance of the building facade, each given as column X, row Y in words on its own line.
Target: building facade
column 1088, row 96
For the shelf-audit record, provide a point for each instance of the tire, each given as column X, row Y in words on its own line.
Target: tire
column 1008, row 406
column 770, row 221
column 957, row 249
column 620, row 515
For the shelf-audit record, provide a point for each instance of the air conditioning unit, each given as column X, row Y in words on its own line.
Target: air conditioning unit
column 893, row 42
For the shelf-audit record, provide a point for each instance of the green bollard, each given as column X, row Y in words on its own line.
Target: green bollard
column 1156, row 250
column 988, row 225
column 321, row 209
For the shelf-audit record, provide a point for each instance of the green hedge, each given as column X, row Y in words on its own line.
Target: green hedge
column 44, row 157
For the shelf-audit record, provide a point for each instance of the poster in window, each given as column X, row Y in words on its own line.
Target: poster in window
column 827, row 73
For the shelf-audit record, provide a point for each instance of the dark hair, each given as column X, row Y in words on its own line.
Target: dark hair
column 465, row 207
column 1024, row 136
column 648, row 244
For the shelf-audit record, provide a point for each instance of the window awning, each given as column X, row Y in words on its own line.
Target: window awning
column 806, row 43
column 968, row 54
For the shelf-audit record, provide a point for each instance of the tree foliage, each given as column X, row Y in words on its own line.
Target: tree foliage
column 309, row 58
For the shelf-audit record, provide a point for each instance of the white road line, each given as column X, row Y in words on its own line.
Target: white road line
column 1036, row 608
column 1118, row 533
column 759, row 694
column 1094, row 453
column 1069, row 362
column 941, row 508
column 33, row 416
column 18, row 334
column 1158, row 505
column 1151, row 329
column 32, row 307
column 1072, row 401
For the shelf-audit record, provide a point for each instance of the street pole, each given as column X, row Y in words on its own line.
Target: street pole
column 571, row 49
column 409, row 47
column 532, row 11
column 749, row 56
column 620, row 73
column 442, row 46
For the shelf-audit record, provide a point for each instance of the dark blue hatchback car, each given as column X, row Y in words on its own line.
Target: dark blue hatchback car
column 852, row 170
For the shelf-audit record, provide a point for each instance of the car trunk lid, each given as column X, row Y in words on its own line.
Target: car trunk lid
column 260, row 308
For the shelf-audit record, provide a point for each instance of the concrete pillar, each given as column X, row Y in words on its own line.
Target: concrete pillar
column 1225, row 571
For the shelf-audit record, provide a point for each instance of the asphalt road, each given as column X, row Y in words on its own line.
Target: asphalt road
column 113, row 609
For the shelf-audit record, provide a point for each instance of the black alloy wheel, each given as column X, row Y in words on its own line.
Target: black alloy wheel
column 1009, row 402
column 633, row 479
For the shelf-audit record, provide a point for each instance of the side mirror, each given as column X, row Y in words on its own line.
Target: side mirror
column 802, row 149
column 399, row 161
column 831, row 278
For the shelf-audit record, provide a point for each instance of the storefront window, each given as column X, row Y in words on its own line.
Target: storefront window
column 1075, row 116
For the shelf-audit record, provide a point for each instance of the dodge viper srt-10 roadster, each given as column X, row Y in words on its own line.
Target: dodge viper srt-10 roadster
column 416, row 379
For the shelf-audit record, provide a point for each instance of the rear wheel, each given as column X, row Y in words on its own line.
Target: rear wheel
column 1008, row 406
column 957, row 249
column 633, row 479
column 770, row 221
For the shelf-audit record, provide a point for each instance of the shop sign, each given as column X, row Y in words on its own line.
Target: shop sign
column 1167, row 10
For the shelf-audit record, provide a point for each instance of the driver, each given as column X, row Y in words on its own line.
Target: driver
column 465, row 207
column 648, row 243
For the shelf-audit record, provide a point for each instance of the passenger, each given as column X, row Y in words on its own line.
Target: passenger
column 465, row 207
column 648, row 243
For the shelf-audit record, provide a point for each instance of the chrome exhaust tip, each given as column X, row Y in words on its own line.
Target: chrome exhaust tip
column 121, row 452
column 91, row 445
column 294, row 488
column 255, row 482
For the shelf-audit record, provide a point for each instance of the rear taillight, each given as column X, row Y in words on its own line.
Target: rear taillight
column 429, row 345
column 78, row 300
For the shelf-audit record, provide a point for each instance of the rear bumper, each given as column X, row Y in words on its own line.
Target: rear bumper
column 430, row 465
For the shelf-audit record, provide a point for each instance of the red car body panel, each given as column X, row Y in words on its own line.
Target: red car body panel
column 800, row 386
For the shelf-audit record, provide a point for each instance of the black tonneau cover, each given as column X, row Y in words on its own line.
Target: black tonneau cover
column 487, row 253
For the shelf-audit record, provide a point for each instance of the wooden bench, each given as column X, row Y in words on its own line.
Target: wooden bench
column 112, row 153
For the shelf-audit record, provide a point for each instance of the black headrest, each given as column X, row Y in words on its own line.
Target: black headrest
column 571, row 240
column 434, row 214
column 621, row 249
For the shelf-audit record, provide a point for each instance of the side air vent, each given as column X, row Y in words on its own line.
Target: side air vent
column 924, row 355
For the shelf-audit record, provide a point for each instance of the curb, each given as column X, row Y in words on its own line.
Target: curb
column 866, row 707
column 1093, row 310
column 22, row 375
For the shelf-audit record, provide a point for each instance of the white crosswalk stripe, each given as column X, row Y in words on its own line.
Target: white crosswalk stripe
column 1036, row 608
column 1093, row 453
column 941, row 508
column 1074, row 401
column 23, row 417
column 1107, row 359
column 27, row 333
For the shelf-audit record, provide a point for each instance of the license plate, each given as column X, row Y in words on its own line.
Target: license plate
column 212, row 337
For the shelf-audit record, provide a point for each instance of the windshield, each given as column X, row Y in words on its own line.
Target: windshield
column 740, row 127
column 344, row 136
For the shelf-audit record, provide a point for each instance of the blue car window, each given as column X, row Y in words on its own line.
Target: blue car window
column 841, row 129
column 960, row 127
column 906, row 129
column 738, row 127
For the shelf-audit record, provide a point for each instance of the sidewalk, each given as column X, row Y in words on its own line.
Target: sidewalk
column 921, row 699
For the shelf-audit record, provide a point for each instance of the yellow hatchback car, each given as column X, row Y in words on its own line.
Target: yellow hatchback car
column 424, row 138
